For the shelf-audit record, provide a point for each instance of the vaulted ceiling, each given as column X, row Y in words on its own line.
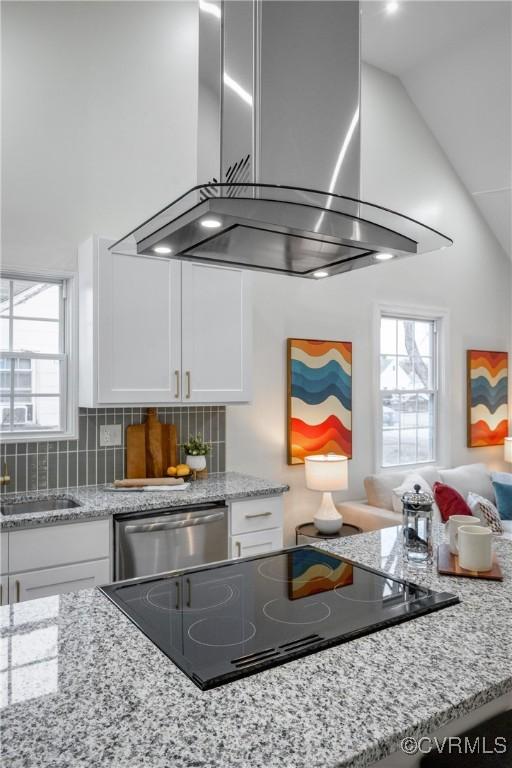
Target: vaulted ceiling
column 455, row 60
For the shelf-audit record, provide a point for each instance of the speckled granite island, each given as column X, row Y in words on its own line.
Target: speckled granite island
column 97, row 502
column 81, row 686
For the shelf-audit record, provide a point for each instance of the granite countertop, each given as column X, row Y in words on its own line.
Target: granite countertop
column 82, row 687
column 96, row 502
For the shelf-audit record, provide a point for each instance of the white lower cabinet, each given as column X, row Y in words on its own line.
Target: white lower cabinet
column 51, row 545
column 256, row 526
column 4, row 552
column 53, row 559
column 4, row 590
column 4, row 568
column 56, row 581
column 257, row 543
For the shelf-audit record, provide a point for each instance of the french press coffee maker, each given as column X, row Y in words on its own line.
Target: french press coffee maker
column 417, row 526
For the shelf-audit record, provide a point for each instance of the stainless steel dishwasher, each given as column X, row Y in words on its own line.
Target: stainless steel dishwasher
column 167, row 539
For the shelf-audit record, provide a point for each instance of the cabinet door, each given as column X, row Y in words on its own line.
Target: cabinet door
column 4, row 590
column 56, row 581
column 138, row 329
column 216, row 334
column 257, row 543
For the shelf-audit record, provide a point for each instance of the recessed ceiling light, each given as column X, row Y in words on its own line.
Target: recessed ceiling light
column 391, row 7
column 320, row 273
column 163, row 249
column 211, row 223
column 384, row 256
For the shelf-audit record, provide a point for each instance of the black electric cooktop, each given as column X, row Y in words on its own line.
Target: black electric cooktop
column 218, row 623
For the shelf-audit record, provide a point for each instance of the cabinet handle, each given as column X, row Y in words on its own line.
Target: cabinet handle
column 17, row 590
column 177, row 595
column 177, row 393
column 189, row 593
column 258, row 514
column 1, row 594
column 187, row 374
column 238, row 549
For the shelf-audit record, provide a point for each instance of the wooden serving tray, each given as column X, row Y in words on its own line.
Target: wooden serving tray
column 448, row 565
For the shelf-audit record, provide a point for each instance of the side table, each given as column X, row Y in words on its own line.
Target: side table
column 309, row 531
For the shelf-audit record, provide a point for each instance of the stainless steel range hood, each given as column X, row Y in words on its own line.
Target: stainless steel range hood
column 279, row 149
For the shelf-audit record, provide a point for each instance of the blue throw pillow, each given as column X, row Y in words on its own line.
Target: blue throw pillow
column 503, row 493
column 502, row 477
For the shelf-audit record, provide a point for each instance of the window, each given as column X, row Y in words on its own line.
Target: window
column 34, row 358
column 408, row 390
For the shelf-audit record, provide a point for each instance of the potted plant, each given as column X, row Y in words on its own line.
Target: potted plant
column 196, row 451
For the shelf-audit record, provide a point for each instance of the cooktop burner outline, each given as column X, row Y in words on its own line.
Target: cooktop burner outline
column 249, row 636
column 326, row 570
column 340, row 591
column 261, row 619
column 172, row 608
column 297, row 623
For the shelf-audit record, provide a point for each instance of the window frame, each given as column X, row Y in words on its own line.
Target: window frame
column 69, row 355
column 442, row 431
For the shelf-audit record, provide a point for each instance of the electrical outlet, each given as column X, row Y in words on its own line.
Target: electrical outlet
column 110, row 434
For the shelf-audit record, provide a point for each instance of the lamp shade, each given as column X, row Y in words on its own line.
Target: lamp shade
column 327, row 472
column 508, row 449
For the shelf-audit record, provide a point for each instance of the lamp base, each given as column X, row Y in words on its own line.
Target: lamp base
column 327, row 518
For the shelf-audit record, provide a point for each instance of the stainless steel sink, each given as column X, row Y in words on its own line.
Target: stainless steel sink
column 39, row 505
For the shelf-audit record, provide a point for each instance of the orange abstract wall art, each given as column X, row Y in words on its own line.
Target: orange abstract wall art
column 319, row 398
column 487, row 397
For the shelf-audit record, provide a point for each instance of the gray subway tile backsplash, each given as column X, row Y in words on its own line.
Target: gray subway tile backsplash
column 62, row 464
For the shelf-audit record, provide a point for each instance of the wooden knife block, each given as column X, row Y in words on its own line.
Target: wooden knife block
column 151, row 447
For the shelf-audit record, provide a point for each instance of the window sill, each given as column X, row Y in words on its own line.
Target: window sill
column 409, row 467
column 36, row 437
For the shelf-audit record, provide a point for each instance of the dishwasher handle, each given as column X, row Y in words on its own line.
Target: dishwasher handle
column 151, row 527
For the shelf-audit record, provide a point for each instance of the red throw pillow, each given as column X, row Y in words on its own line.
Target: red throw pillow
column 449, row 501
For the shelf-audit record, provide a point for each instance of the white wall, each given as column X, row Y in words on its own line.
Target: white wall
column 464, row 94
column 403, row 168
column 98, row 124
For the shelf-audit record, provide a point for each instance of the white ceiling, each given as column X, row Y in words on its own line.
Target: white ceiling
column 455, row 60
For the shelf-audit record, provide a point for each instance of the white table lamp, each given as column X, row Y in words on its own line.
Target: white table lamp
column 327, row 473
column 508, row 449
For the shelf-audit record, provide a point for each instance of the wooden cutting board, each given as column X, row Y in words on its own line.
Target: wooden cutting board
column 150, row 447
column 143, row 482
column 448, row 565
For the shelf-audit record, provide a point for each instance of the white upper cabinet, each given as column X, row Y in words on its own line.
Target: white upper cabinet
column 156, row 331
column 130, row 334
column 139, row 340
column 216, row 334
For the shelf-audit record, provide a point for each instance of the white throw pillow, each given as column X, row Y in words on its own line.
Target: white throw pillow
column 379, row 488
column 485, row 511
column 474, row 478
column 408, row 485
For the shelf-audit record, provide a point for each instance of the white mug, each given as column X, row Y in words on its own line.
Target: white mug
column 454, row 523
column 475, row 547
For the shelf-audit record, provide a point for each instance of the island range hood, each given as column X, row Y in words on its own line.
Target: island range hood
column 278, row 153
